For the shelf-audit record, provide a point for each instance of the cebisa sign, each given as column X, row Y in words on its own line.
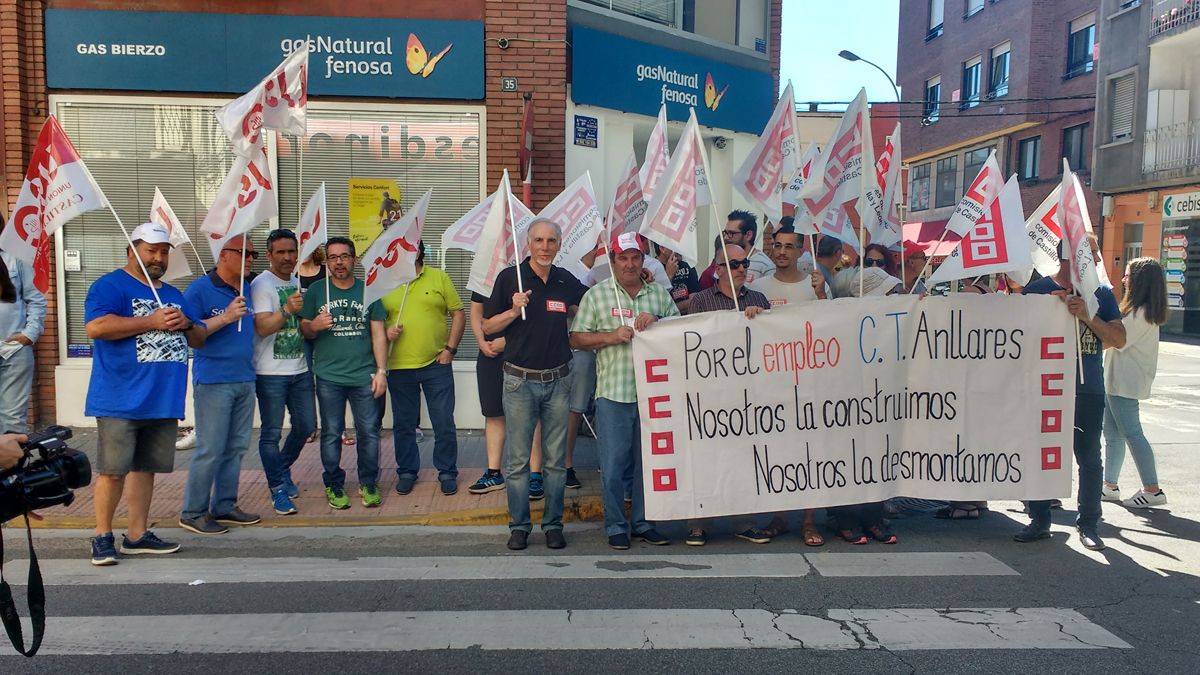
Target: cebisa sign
column 230, row 53
column 616, row 72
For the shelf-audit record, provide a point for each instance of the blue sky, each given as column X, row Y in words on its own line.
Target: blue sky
column 814, row 31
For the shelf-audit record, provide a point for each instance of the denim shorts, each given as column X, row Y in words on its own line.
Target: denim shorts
column 144, row 446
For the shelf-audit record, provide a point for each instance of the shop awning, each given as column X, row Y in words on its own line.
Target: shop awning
column 926, row 234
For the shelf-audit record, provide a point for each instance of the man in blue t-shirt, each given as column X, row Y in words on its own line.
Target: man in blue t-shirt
column 224, row 393
column 1096, row 332
column 138, row 384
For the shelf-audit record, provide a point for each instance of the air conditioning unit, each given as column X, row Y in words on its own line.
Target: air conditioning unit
column 1106, row 206
column 1151, row 199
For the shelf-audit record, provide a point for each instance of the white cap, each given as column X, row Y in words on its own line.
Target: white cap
column 151, row 233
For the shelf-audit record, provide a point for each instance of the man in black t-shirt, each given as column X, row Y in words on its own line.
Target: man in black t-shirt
column 537, row 372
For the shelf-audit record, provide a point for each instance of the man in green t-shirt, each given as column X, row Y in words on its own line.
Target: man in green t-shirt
column 349, row 360
column 422, row 353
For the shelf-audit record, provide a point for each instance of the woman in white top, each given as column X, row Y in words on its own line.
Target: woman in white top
column 1128, row 374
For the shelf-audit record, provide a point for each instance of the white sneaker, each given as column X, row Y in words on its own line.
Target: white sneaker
column 1108, row 494
column 186, row 441
column 1145, row 500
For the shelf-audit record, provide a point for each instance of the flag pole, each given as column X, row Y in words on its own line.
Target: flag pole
column 242, row 274
column 403, row 301
column 300, row 192
column 612, row 271
column 137, row 257
column 928, row 259
column 198, row 260
column 516, row 255
column 729, row 271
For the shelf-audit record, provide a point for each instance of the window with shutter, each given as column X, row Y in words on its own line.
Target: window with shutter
column 1122, row 97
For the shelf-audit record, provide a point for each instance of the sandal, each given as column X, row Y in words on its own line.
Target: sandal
column 812, row 536
column 853, row 537
column 881, row 535
column 958, row 512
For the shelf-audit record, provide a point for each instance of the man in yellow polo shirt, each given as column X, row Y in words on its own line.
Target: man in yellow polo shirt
column 422, row 350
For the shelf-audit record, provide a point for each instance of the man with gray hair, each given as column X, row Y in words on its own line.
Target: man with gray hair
column 534, row 318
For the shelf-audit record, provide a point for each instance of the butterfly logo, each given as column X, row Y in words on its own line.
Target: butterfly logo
column 711, row 98
column 417, row 59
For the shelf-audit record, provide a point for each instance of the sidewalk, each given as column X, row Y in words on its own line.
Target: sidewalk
column 425, row 505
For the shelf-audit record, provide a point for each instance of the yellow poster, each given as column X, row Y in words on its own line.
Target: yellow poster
column 374, row 205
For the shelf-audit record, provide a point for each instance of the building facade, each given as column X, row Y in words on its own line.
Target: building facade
column 1148, row 143
column 1013, row 76
column 403, row 98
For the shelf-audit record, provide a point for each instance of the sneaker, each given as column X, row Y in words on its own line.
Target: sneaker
column 555, row 538
column 1090, row 540
column 104, row 552
column 149, row 543
column 1108, row 494
column 696, row 538
column 490, row 481
column 573, row 480
column 449, row 485
column 652, row 537
column 754, row 536
column 370, row 496
column 187, row 441
column 1144, row 500
column 202, row 525
column 1032, row 532
column 337, row 498
column 282, row 502
column 619, row 542
column 293, row 490
column 404, row 484
column 517, row 540
column 238, row 517
column 536, row 490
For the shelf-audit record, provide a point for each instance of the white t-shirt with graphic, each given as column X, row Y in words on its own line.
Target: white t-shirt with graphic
column 281, row 353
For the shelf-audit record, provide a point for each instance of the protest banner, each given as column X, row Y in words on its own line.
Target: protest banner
column 373, row 204
column 963, row 398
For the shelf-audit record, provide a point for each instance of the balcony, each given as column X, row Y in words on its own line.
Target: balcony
column 1173, row 151
column 1174, row 15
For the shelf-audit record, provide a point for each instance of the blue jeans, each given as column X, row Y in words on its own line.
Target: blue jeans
column 276, row 392
column 525, row 404
column 406, row 385
column 1089, row 417
column 619, row 441
column 1122, row 425
column 333, row 399
column 16, row 381
column 224, row 417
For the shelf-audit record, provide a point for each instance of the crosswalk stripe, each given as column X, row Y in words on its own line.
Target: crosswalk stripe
column 842, row 629
column 176, row 570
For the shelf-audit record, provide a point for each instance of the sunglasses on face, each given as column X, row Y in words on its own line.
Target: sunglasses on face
column 873, row 262
column 250, row 255
column 735, row 264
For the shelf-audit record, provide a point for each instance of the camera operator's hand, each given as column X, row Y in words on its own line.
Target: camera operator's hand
column 10, row 450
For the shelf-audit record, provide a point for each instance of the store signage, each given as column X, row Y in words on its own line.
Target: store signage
column 230, row 53
column 616, row 72
column 1185, row 205
column 587, row 131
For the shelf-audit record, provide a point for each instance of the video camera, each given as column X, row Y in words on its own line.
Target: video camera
column 44, row 480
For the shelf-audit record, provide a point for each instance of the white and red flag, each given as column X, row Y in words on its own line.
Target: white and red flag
column 177, row 262
column 1076, row 225
column 465, row 232
column 313, row 229
column 57, row 188
column 246, row 198
column 1044, row 233
column 887, row 229
column 279, row 102
column 392, row 258
column 845, row 170
column 628, row 205
column 671, row 216
column 496, row 248
column 983, row 190
column 575, row 212
column 995, row 243
column 773, row 162
column 804, row 222
column 657, row 156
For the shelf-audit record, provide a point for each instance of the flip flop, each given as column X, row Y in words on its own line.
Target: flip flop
column 812, row 536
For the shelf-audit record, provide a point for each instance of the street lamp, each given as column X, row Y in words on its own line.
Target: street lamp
column 851, row 56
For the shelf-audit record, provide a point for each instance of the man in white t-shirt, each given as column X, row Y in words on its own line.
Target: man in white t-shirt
column 283, row 380
column 788, row 285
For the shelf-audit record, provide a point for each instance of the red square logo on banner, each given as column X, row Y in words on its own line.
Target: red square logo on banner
column 662, row 443
column 1051, row 421
column 1051, row 459
column 664, row 480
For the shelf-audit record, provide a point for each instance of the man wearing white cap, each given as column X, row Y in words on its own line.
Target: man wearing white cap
column 137, row 388
column 607, row 321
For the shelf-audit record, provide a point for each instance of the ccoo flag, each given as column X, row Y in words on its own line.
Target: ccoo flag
column 279, row 101
column 313, row 230
column 162, row 213
column 671, row 216
column 887, row 229
column 392, row 258
column 57, row 188
column 497, row 249
column 772, row 163
column 845, row 171
column 1076, row 226
column 657, row 156
column 246, row 198
column 983, row 190
column 576, row 213
column 995, row 244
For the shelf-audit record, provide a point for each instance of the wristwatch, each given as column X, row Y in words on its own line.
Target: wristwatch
column 453, row 350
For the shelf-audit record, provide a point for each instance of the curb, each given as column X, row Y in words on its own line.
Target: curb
column 579, row 509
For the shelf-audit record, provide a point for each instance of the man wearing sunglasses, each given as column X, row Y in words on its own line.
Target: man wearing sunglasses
column 223, row 375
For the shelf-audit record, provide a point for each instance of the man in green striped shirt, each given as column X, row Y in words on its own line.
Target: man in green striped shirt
column 609, row 317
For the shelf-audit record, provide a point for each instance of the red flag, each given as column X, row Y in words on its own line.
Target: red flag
column 57, row 188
